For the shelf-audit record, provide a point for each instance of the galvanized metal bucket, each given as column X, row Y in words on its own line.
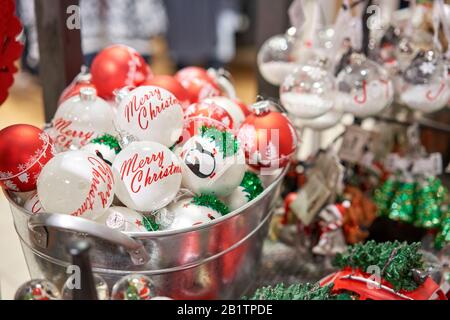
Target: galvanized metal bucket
column 217, row 260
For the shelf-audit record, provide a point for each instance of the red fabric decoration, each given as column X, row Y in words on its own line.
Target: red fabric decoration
column 10, row 48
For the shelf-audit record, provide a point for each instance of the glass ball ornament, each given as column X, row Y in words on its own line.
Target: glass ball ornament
column 425, row 85
column 37, row 290
column 308, row 92
column 363, row 87
column 100, row 285
column 326, row 121
column 133, row 287
column 276, row 58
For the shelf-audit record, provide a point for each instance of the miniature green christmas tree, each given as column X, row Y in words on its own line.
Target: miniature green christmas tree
column 396, row 261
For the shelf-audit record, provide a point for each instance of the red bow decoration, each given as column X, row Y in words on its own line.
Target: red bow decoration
column 10, row 48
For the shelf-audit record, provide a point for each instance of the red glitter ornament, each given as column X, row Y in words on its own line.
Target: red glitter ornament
column 116, row 67
column 24, row 150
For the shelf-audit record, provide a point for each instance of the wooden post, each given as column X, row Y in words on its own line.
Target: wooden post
column 59, row 49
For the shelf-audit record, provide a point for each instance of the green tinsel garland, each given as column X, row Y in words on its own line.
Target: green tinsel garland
column 252, row 185
column 443, row 237
column 396, row 261
column 108, row 140
column 300, row 291
column 224, row 140
column 212, row 202
column 430, row 197
column 384, row 195
column 403, row 203
column 150, row 224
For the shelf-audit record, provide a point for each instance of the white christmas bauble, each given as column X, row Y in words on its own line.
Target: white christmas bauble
column 426, row 98
column 106, row 147
column 33, row 204
column 326, row 121
column 80, row 119
column 207, row 170
column 364, row 88
column 185, row 214
column 308, row 92
column 148, row 176
column 76, row 183
column 236, row 199
column 123, row 219
column 151, row 114
column 233, row 109
column 425, row 85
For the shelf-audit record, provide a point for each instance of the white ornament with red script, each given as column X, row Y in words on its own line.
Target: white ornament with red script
column 268, row 137
column 33, row 204
column 122, row 219
column 185, row 214
column 24, row 150
column 364, row 88
column 208, row 168
column 80, row 119
column 148, row 176
column 231, row 107
column 76, row 183
column 151, row 114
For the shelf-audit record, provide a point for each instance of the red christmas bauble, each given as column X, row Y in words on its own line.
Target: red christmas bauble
column 24, row 150
column 268, row 137
column 83, row 80
column 170, row 84
column 116, row 67
column 244, row 108
column 198, row 84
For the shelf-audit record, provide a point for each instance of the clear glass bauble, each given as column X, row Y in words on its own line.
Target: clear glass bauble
column 308, row 92
column 363, row 87
column 276, row 58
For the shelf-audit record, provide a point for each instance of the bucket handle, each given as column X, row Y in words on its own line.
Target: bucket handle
column 38, row 226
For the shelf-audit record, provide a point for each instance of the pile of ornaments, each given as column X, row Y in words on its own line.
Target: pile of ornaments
column 140, row 153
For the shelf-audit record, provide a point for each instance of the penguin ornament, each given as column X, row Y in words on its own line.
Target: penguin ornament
column 212, row 163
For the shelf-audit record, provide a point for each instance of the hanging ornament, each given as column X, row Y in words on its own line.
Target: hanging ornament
column 364, row 88
column 198, row 83
column 170, row 84
column 148, row 176
column 81, row 119
column 425, row 85
column 190, row 212
column 249, row 189
column 231, row 107
column 82, row 80
column 276, row 58
column 105, row 147
column 37, row 290
column 133, row 287
column 268, row 137
column 308, row 91
column 323, row 122
column 32, row 204
column 116, row 67
column 10, row 46
column 151, row 114
column 76, row 183
column 212, row 162
column 126, row 220
column 402, row 206
column 100, row 285
column 429, row 197
column 24, row 150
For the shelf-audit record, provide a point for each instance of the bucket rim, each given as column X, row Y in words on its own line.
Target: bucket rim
column 166, row 233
